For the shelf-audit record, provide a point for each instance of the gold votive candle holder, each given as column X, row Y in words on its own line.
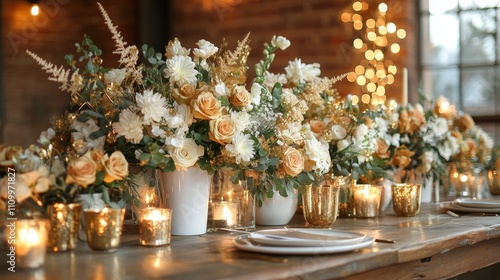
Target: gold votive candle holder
column 30, row 245
column 64, row 222
column 104, row 228
column 494, row 182
column 367, row 200
column 320, row 205
column 154, row 226
column 406, row 199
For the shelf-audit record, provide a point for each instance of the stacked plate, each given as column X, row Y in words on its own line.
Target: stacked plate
column 302, row 241
column 468, row 205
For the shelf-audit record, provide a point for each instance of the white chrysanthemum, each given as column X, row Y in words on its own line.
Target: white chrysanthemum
column 271, row 79
column 152, row 105
column 205, row 49
column 241, row 148
column 241, row 120
column 174, row 48
column 292, row 133
column 221, row 90
column 317, row 151
column 181, row 70
column 115, row 76
column 298, row 72
column 280, row 42
column 129, row 126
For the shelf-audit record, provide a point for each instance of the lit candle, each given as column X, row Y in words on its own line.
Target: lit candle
column 225, row 213
column 30, row 243
column 404, row 99
column 367, row 201
column 154, row 226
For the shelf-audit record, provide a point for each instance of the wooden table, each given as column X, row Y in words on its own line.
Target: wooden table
column 431, row 245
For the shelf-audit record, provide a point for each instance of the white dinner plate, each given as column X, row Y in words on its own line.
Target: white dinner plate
column 304, row 237
column 463, row 209
column 243, row 243
column 477, row 203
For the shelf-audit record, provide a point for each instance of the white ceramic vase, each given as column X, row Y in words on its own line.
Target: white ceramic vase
column 186, row 193
column 276, row 211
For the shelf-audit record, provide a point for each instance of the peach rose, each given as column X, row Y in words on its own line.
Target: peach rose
column 81, row 171
column 240, row 96
column 206, row 106
column 222, row 130
column 115, row 167
column 465, row 122
column 382, row 150
column 184, row 94
column 402, row 158
column 411, row 121
column 293, row 162
column 317, row 126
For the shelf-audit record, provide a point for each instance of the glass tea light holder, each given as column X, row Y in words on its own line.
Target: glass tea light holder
column 31, row 242
column 406, row 199
column 104, row 228
column 367, row 200
column 224, row 214
column 154, row 226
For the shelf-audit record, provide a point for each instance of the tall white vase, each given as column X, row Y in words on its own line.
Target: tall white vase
column 276, row 211
column 186, row 193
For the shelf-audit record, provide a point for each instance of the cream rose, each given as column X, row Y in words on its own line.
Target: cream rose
column 293, row 162
column 222, row 130
column 184, row 94
column 206, row 106
column 187, row 155
column 317, row 126
column 115, row 167
column 338, row 132
column 240, row 97
column 81, row 171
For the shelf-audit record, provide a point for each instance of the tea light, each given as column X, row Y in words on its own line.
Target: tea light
column 154, row 226
column 30, row 243
column 406, row 199
column 225, row 214
column 367, row 200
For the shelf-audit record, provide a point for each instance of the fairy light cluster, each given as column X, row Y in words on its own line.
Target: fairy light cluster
column 374, row 72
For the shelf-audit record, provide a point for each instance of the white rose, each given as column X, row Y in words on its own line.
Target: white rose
column 115, row 76
column 360, row 132
column 342, row 144
column 187, row 155
column 338, row 132
column 205, row 49
column 220, row 90
column 280, row 42
column 255, row 93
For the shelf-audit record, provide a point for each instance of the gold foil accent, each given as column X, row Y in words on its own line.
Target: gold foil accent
column 406, row 199
column 104, row 228
column 320, row 205
column 64, row 221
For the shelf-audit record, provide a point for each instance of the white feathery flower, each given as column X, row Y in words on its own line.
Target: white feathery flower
column 298, row 72
column 241, row 120
column 129, row 126
column 271, row 79
column 152, row 105
column 241, row 148
column 280, row 42
column 317, row 151
column 205, row 49
column 255, row 93
column 174, row 48
column 181, row 70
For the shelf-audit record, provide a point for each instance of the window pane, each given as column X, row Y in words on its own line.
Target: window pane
column 478, row 36
column 479, row 91
column 473, row 4
column 438, row 7
column 440, row 40
column 441, row 82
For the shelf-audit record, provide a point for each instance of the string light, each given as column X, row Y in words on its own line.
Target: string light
column 35, row 9
column 374, row 72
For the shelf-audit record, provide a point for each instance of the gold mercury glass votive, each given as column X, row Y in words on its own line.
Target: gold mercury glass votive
column 104, row 228
column 64, row 223
column 494, row 182
column 406, row 199
column 320, row 205
column 31, row 243
column 154, row 226
column 367, row 200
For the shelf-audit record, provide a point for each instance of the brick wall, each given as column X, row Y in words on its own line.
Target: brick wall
column 313, row 26
column 29, row 99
